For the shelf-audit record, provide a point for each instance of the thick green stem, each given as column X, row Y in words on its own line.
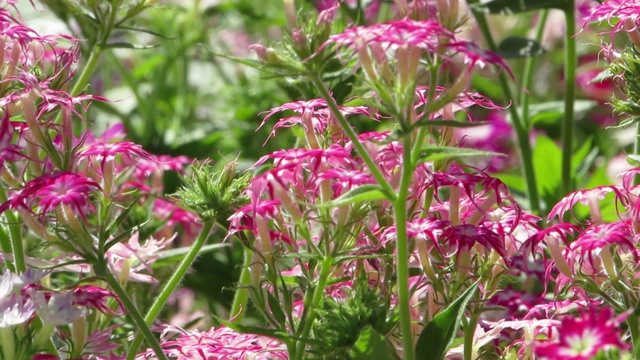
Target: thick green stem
column 171, row 285
column 316, row 299
column 242, row 292
column 570, row 84
column 371, row 165
column 103, row 271
column 469, row 331
column 522, row 130
column 15, row 233
column 402, row 252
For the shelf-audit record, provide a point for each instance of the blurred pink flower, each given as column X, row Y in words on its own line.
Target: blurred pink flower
column 582, row 337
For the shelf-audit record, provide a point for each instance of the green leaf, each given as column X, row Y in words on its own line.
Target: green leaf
column 372, row 345
column 547, row 164
column 453, row 152
column 507, row 7
column 449, row 123
column 247, row 329
column 126, row 45
column 175, row 255
column 362, row 193
column 578, row 160
column 435, row 339
column 514, row 47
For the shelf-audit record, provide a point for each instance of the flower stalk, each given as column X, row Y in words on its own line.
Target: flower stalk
column 171, row 285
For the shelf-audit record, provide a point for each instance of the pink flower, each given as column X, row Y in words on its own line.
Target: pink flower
column 583, row 336
column 50, row 191
column 8, row 151
column 597, row 237
column 474, row 56
column 425, row 35
column 464, row 237
column 220, row 343
column 617, row 13
column 15, row 310
column 588, row 197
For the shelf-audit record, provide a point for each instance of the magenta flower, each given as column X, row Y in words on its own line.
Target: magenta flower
column 474, row 56
column 95, row 297
column 50, row 191
column 597, row 237
column 583, row 336
column 621, row 15
column 104, row 152
column 314, row 115
column 8, row 151
column 587, row 197
column 464, row 237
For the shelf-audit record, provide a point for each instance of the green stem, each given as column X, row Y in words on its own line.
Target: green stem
column 570, row 81
column 102, row 271
column 15, row 232
column 318, row 293
column 364, row 154
column 469, row 331
column 242, row 292
column 522, row 130
column 529, row 66
column 402, row 252
column 636, row 151
column 168, row 289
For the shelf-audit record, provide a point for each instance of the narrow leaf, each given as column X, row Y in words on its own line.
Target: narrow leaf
column 435, row 339
column 452, row 152
column 507, row 7
column 359, row 194
column 175, row 255
column 449, row 123
column 371, row 345
column 126, row 45
column 547, row 165
column 519, row 47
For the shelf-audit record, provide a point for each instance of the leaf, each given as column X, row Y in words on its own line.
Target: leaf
column 174, row 255
column 436, row 338
column 547, row 165
column 362, row 193
column 507, row 7
column 449, row 123
column 514, row 47
column 371, row 345
column 453, row 152
column 247, row 329
column 126, row 45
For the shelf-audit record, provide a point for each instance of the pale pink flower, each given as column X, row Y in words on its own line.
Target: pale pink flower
column 220, row 343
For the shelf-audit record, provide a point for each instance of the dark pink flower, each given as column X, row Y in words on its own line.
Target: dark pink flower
column 8, row 151
column 95, row 297
column 474, row 56
column 583, row 336
column 50, row 191
column 462, row 238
